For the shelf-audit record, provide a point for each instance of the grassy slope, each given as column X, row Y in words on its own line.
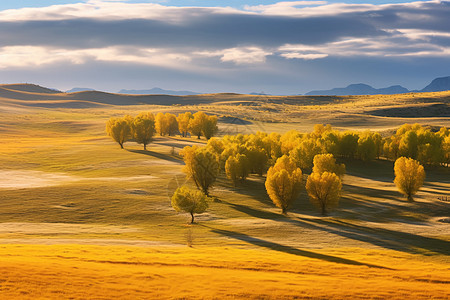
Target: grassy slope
column 262, row 253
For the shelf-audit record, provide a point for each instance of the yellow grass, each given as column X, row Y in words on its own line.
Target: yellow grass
column 114, row 272
column 88, row 192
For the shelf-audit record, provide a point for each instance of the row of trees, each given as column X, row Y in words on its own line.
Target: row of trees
column 143, row 127
column 284, row 156
column 283, row 181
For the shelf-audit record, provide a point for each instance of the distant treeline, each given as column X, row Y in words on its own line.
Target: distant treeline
column 143, row 127
column 263, row 149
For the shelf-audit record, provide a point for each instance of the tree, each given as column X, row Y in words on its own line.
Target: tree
column 369, row 144
column 237, row 168
column 327, row 163
column 183, row 123
column 409, row 144
column 209, row 126
column 201, row 166
column 348, row 144
column 409, row 176
column 324, row 190
column 446, row 150
column 283, row 182
column 257, row 158
column 171, row 123
column 143, row 128
column 305, row 152
column 190, row 201
column 161, row 124
column 196, row 123
column 119, row 129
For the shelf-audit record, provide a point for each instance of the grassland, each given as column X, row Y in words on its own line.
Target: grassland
column 80, row 218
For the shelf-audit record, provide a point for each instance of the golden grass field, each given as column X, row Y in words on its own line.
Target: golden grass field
column 82, row 219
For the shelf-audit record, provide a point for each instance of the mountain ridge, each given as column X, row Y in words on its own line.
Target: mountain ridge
column 157, row 91
column 437, row 85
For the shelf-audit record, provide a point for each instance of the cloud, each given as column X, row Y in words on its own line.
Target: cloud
column 35, row 56
column 222, row 40
column 239, row 55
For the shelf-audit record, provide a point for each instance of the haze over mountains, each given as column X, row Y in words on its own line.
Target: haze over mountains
column 157, row 91
column 437, row 85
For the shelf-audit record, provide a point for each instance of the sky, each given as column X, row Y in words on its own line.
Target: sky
column 288, row 47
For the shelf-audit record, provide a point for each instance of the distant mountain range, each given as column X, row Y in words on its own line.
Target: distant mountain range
column 79, row 89
column 437, row 85
column 157, row 91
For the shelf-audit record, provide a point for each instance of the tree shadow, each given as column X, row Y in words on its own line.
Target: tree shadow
column 379, row 193
column 380, row 170
column 291, row 250
column 256, row 213
column 158, row 155
column 386, row 238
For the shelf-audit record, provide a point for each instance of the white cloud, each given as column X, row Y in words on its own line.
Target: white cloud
column 305, row 56
column 282, row 8
column 239, row 55
column 34, row 56
column 109, row 10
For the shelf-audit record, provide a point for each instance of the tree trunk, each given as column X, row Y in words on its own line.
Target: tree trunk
column 284, row 211
column 192, row 217
column 121, row 145
column 324, row 211
column 145, row 147
column 410, row 198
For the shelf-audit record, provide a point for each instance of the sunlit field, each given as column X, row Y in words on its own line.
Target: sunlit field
column 81, row 218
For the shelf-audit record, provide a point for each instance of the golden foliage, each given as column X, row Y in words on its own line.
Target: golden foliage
column 237, row 168
column 119, row 129
column 409, row 176
column 324, row 190
column 283, row 182
column 327, row 163
column 190, row 201
column 172, row 124
column 161, row 124
column 196, row 123
column 201, row 166
column 183, row 123
column 143, row 128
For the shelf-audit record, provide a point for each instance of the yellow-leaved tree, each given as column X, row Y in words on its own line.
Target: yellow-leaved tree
column 143, row 128
column 201, row 166
column 190, row 201
column 171, row 123
column 161, row 124
column 324, row 190
column 196, row 123
column 327, row 163
column 237, row 168
column 209, row 126
column 409, row 176
column 119, row 129
column 183, row 123
column 284, row 182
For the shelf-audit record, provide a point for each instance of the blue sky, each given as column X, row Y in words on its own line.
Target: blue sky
column 288, row 47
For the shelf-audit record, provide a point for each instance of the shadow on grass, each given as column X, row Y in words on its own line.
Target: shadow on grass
column 367, row 191
column 157, row 155
column 261, row 214
column 385, row 238
column 291, row 250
